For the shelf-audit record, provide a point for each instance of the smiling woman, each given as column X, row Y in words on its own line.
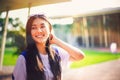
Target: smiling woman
column 41, row 60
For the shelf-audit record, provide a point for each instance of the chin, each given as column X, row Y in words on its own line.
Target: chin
column 42, row 41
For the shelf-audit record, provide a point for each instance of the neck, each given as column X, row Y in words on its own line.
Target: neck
column 41, row 48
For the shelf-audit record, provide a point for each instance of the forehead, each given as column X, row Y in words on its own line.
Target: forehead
column 39, row 21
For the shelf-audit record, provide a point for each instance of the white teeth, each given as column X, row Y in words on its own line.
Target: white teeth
column 39, row 36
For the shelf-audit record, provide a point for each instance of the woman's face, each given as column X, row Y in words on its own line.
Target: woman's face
column 40, row 30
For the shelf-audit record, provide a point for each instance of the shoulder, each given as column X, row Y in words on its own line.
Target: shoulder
column 21, row 57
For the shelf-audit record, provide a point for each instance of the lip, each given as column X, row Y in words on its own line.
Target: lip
column 40, row 36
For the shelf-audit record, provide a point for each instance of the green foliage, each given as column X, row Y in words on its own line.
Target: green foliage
column 94, row 57
column 16, row 33
column 1, row 25
column 18, row 41
column 9, row 58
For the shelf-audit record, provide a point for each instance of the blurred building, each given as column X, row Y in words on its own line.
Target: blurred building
column 95, row 29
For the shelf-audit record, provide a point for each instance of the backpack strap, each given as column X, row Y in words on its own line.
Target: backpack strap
column 57, row 53
column 56, row 50
column 24, row 54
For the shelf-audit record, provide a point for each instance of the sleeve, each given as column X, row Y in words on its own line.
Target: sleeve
column 19, row 72
column 64, row 56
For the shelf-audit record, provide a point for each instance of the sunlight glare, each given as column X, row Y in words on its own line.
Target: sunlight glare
column 62, row 21
column 72, row 8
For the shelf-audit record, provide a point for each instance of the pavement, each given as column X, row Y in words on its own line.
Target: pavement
column 103, row 71
column 6, row 73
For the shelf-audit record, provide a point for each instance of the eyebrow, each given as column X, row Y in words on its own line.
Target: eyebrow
column 40, row 24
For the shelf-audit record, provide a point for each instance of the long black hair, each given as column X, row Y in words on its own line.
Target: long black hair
column 33, row 71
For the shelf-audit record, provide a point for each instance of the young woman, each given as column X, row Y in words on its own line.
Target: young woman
column 41, row 60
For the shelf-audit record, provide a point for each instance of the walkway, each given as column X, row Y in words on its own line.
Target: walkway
column 104, row 71
column 6, row 73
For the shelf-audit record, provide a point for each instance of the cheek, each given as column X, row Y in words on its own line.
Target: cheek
column 47, row 30
column 32, row 33
column 47, row 33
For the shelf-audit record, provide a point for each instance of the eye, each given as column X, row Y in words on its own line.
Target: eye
column 43, row 26
column 34, row 27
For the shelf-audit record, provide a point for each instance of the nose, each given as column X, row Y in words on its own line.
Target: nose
column 39, row 30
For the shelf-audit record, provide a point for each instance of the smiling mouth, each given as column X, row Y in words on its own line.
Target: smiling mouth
column 40, row 36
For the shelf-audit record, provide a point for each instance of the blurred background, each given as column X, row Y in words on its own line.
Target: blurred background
column 92, row 26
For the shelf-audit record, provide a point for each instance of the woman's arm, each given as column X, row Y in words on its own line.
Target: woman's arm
column 75, row 53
